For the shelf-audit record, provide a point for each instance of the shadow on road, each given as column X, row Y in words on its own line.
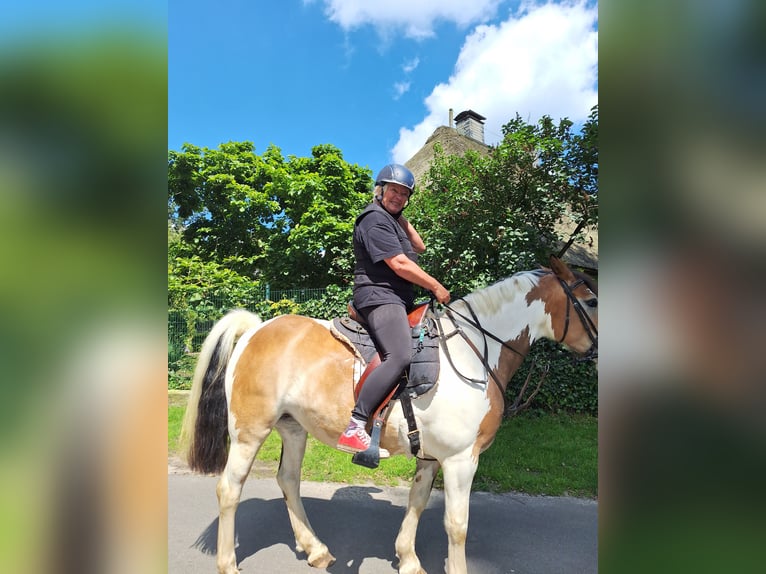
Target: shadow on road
column 507, row 533
column 352, row 524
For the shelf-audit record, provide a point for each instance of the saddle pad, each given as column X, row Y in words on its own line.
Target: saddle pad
column 424, row 369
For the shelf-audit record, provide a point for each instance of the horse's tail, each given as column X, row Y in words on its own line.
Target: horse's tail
column 204, row 433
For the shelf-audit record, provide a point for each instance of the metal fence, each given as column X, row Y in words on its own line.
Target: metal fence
column 297, row 295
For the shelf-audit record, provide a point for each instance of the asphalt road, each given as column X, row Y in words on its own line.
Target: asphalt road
column 507, row 534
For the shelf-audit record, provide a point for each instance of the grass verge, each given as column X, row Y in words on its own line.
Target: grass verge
column 539, row 454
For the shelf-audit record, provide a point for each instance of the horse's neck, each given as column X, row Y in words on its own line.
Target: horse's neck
column 502, row 309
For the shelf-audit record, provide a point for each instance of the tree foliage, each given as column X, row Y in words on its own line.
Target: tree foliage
column 285, row 222
column 486, row 217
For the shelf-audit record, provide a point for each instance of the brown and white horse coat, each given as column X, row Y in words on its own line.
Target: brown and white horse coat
column 293, row 375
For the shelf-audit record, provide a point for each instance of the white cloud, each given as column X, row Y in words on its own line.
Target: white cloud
column 410, row 66
column 413, row 19
column 400, row 88
column 542, row 60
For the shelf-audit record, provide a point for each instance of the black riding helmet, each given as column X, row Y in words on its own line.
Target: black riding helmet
column 396, row 173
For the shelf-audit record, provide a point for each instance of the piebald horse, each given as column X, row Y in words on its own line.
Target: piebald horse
column 293, row 375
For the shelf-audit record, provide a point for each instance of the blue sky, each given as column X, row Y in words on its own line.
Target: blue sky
column 36, row 22
column 372, row 78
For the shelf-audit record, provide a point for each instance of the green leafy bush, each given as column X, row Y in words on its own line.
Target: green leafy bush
column 333, row 304
column 569, row 386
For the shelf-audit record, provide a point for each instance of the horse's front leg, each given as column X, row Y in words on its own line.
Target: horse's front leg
column 289, row 480
column 458, row 476
column 419, row 494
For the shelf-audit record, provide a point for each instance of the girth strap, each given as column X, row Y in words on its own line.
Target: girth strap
column 412, row 426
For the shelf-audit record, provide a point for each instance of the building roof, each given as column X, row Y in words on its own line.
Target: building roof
column 452, row 142
column 464, row 115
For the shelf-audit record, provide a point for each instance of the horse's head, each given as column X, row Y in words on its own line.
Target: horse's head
column 572, row 303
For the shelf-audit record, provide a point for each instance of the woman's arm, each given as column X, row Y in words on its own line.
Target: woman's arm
column 413, row 235
column 407, row 269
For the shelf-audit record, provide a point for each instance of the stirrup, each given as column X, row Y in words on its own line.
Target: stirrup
column 371, row 457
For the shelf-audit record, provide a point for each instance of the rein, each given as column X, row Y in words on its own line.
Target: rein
column 473, row 321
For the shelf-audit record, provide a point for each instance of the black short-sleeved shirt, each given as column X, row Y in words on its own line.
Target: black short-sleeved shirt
column 378, row 236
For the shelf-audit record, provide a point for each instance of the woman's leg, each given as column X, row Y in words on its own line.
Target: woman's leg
column 388, row 324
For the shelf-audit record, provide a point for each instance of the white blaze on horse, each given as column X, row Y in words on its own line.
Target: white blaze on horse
column 293, row 374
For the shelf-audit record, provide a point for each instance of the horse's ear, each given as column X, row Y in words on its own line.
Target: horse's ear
column 561, row 270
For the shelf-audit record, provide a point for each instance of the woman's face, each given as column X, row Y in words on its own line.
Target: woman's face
column 395, row 197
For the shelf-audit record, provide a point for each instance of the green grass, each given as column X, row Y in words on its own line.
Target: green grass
column 546, row 454
column 175, row 418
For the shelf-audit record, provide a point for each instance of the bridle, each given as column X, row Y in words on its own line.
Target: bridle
column 590, row 328
column 473, row 321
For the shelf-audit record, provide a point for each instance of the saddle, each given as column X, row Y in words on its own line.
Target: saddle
column 419, row 378
column 424, row 369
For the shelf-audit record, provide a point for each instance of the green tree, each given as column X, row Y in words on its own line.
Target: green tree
column 582, row 167
column 486, row 217
column 287, row 223
column 320, row 197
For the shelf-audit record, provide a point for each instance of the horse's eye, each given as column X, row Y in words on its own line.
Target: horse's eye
column 592, row 303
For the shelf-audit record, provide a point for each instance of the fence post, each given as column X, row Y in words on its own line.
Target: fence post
column 268, row 292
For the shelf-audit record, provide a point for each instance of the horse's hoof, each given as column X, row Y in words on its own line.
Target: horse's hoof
column 321, row 559
column 412, row 570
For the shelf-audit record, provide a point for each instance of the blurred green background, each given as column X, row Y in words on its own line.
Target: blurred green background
column 83, row 116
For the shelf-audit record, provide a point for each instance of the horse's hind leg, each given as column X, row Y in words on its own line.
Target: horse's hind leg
column 229, row 490
column 289, row 479
column 419, row 494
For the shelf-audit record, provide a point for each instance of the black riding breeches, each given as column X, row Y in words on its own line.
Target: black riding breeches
column 391, row 333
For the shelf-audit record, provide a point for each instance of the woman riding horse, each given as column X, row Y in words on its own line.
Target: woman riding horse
column 386, row 247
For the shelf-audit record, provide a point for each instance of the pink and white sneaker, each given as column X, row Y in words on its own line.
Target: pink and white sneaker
column 354, row 439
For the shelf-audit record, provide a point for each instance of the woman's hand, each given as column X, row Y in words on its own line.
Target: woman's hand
column 412, row 235
column 441, row 294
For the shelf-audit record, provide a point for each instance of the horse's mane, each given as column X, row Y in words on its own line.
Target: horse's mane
column 487, row 297
column 531, row 278
column 590, row 282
